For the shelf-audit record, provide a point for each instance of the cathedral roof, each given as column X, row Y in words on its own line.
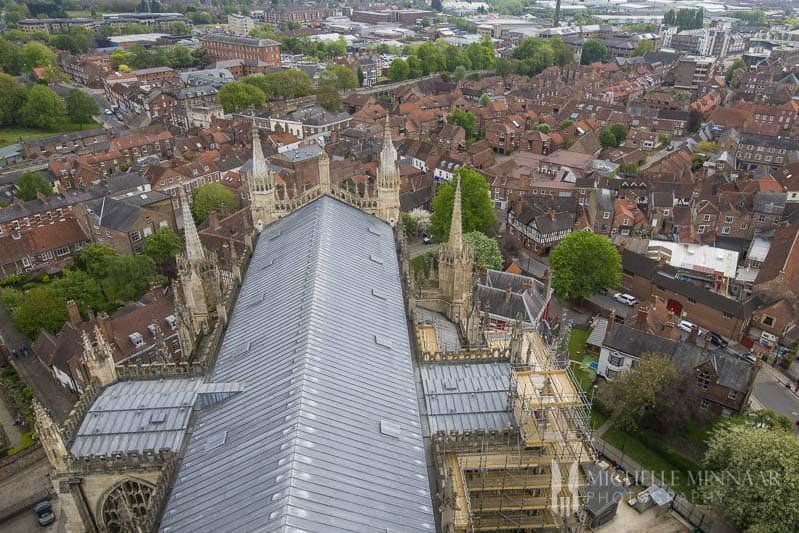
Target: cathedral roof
column 326, row 434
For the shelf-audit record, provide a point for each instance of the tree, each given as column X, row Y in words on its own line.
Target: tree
column 484, row 99
column 31, row 182
column 421, row 219
column 707, row 147
column 414, row 67
column 619, row 131
column 694, row 120
column 12, row 98
column 476, row 206
column 120, row 57
column 736, row 65
column 664, row 139
column 757, row 481
column 565, row 124
column 607, row 139
column 361, row 77
column 544, row 128
column 633, row 395
column 43, row 109
column 11, row 61
column 408, row 224
column 211, row 196
column 83, row 289
column 343, row 77
column 486, row 250
column 36, row 54
column 503, row 67
column 644, row 47
column 81, row 107
column 42, row 308
column 398, row 71
column 128, row 278
column 593, row 50
column 584, row 263
column 328, row 96
column 95, row 260
column 162, row 246
column 235, row 96
column 464, row 119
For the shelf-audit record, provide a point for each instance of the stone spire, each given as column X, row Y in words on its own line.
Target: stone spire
column 194, row 249
column 388, row 180
column 455, row 243
column 50, row 436
column 261, row 184
column 261, row 175
column 324, row 171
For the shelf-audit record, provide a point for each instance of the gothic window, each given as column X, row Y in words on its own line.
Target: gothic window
column 126, row 505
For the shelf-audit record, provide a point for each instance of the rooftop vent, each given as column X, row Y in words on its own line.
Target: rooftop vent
column 172, row 321
column 390, row 429
column 216, row 440
column 137, row 339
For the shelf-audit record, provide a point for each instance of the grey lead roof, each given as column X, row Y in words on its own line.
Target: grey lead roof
column 326, row 435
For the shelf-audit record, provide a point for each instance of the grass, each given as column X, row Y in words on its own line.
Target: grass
column 27, row 440
column 80, row 13
column 13, row 135
column 656, row 458
column 597, row 419
column 577, row 344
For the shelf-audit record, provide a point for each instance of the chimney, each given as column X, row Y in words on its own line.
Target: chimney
column 224, row 211
column 213, row 219
column 693, row 335
column 40, row 195
column 611, row 319
column 707, row 343
column 507, row 294
column 641, row 318
column 551, row 213
column 19, row 202
column 105, row 325
column 547, row 283
column 662, row 258
column 483, row 276
column 73, row 312
column 527, row 283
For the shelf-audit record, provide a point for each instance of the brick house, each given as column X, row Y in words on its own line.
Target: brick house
column 42, row 248
column 222, row 47
column 600, row 211
column 79, row 142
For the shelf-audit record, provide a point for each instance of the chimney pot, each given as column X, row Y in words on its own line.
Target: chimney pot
column 507, row 294
column 73, row 313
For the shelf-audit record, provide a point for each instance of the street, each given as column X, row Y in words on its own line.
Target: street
column 416, row 248
column 773, row 394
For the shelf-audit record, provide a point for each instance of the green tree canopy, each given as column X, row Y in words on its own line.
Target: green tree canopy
column 40, row 308
column 12, row 98
column 757, row 481
column 736, row 65
column 128, row 278
column 343, row 77
column 79, row 286
column 633, row 395
column 235, row 96
column 211, row 196
column 398, row 71
column 476, row 206
column 484, row 100
column 11, row 60
column 544, row 128
column 95, row 260
column 584, row 263
column 328, row 96
column 466, row 120
column 415, row 69
column 644, row 47
column 81, row 107
column 31, row 182
column 35, row 54
column 486, row 250
column 619, row 131
column 284, row 84
column 593, row 50
column 162, row 245
column 607, row 139
column 43, row 109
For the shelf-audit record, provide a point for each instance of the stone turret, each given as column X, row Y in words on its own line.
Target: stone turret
column 325, row 186
column 50, row 436
column 261, row 184
column 455, row 261
column 388, row 180
column 194, row 249
column 99, row 358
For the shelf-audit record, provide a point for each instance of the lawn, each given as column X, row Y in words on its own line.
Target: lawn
column 577, row 344
column 656, row 459
column 27, row 440
column 597, row 419
column 13, row 135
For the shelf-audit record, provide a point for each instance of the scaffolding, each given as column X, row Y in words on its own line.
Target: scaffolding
column 524, row 478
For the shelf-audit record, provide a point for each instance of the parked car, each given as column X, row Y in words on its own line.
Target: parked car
column 109, row 112
column 626, row 299
column 688, row 326
column 716, row 339
column 44, row 513
column 426, row 239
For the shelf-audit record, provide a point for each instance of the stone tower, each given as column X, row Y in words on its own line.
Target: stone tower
column 99, row 358
column 455, row 261
column 199, row 277
column 388, row 180
column 325, row 185
column 50, row 436
column 262, row 184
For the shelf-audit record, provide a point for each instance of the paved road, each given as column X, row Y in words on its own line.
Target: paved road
column 606, row 301
column 41, row 383
column 418, row 248
column 775, row 395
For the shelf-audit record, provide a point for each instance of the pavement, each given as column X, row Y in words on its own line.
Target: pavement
column 770, row 391
column 44, row 387
column 7, row 422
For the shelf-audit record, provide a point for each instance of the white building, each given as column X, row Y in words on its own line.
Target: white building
column 240, row 25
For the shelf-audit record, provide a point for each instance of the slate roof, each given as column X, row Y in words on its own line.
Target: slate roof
column 114, row 214
column 467, row 397
column 326, row 436
column 602, row 491
column 635, row 342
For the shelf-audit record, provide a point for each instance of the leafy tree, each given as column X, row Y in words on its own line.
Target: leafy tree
column 584, row 263
column 460, row 73
column 619, row 131
column 398, row 71
column 486, row 250
column 464, row 119
column 95, row 260
column 41, row 308
column 11, row 60
column 361, row 77
column 633, row 394
column 481, row 54
column 644, row 47
column 12, row 98
column 408, row 224
column 43, row 109
column 162, row 246
column 707, row 147
column 607, row 139
column 664, row 139
column 31, row 182
column 79, row 286
column 414, row 67
column 120, row 57
column 503, row 67
column 328, row 96
column 694, row 120
column 200, row 57
column 37, row 55
column 128, row 278
column 476, row 206
column 179, row 56
column 211, row 196
column 544, row 128
column 565, row 124
column 285, row 84
column 593, row 50
column 421, row 219
column 343, row 77
column 764, row 419
column 81, row 107
column 235, row 96
column 757, row 481
column 736, row 65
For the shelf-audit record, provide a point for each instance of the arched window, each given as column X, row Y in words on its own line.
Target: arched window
column 126, row 505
